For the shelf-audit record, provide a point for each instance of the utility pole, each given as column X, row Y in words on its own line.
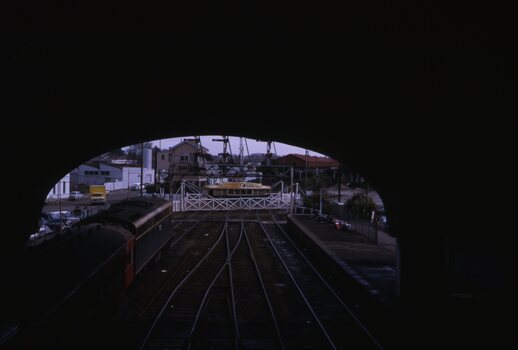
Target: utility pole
column 306, row 182
column 339, row 184
column 320, row 201
column 59, row 201
column 141, row 168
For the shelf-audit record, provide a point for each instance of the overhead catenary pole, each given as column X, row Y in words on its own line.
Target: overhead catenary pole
column 182, row 194
column 296, row 192
column 155, row 165
column 292, row 199
column 128, row 179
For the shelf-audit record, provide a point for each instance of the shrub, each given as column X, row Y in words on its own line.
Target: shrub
column 362, row 204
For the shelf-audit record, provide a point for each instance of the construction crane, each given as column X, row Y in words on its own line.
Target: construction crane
column 226, row 158
column 269, row 155
column 198, row 154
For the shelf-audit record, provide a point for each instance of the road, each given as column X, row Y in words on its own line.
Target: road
column 68, row 205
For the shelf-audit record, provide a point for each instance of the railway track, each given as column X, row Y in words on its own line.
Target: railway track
column 249, row 287
column 342, row 328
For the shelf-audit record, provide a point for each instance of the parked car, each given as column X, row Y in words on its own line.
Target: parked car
column 58, row 220
column 73, row 217
column 44, row 230
column 343, row 225
column 136, row 186
column 74, row 195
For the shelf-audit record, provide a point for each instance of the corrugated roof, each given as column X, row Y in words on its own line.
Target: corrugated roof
column 313, row 161
column 190, row 143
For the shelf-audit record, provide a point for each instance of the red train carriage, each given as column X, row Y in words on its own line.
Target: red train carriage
column 87, row 268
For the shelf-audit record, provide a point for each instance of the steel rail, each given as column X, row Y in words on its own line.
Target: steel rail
column 166, row 303
column 232, row 295
column 351, row 313
column 209, row 288
column 270, row 307
column 322, row 328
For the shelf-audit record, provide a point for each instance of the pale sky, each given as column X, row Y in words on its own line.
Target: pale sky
column 253, row 145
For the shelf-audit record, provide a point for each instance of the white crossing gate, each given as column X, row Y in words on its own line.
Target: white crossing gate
column 200, row 202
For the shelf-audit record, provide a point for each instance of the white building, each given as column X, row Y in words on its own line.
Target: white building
column 61, row 190
column 96, row 174
column 113, row 176
column 131, row 175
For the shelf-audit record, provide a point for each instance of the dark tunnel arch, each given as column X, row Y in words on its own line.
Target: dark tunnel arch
column 396, row 170
column 428, row 87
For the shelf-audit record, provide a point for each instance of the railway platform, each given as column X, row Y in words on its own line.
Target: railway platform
column 372, row 265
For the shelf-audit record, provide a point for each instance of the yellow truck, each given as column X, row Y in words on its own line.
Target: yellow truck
column 97, row 194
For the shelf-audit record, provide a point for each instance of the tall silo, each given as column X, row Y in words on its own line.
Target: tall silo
column 148, row 158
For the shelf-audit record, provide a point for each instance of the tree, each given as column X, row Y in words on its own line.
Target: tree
column 115, row 153
column 135, row 152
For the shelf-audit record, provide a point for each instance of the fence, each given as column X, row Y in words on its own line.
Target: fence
column 359, row 223
column 89, row 211
column 200, row 202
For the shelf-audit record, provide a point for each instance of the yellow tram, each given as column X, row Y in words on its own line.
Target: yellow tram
column 238, row 189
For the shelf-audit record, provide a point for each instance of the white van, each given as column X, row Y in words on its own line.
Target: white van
column 74, row 195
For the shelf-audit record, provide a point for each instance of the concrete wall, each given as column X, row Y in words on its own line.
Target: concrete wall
column 131, row 175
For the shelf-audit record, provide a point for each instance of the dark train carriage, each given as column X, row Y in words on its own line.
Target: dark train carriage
column 149, row 220
column 84, row 270
column 70, row 281
column 238, row 189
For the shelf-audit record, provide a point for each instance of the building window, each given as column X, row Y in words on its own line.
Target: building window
column 184, row 158
column 54, row 190
column 162, row 157
column 105, row 173
column 170, row 157
column 64, row 187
